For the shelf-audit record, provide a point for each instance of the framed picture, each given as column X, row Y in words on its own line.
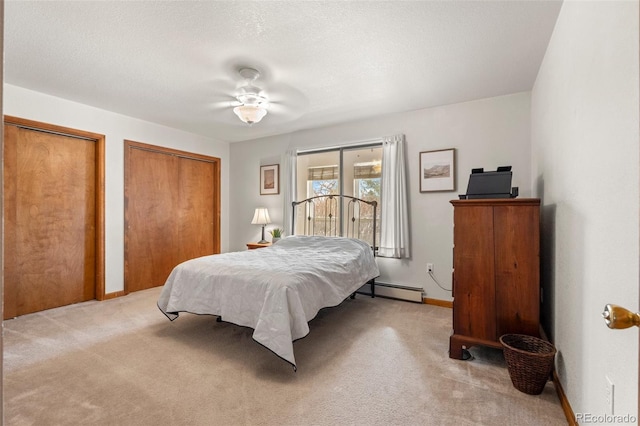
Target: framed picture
column 437, row 170
column 270, row 179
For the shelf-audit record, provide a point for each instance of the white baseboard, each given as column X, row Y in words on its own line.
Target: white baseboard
column 393, row 291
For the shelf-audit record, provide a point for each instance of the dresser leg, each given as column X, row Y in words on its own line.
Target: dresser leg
column 455, row 348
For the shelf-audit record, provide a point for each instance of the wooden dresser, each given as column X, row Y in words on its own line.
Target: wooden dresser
column 496, row 277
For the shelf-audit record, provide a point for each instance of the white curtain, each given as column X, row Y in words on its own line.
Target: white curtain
column 394, row 227
column 289, row 179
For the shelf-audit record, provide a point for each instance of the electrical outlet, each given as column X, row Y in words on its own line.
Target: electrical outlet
column 609, row 388
column 429, row 267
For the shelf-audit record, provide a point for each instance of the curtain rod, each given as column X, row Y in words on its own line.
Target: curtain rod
column 344, row 145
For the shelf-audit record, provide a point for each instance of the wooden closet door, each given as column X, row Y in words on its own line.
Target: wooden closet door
column 195, row 216
column 50, row 220
column 171, row 211
column 151, row 199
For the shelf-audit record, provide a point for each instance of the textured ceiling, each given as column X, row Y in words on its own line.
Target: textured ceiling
column 322, row 63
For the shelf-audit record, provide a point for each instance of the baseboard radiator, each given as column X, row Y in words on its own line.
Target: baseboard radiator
column 392, row 291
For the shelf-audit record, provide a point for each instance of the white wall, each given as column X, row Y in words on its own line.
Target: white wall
column 486, row 133
column 585, row 109
column 32, row 105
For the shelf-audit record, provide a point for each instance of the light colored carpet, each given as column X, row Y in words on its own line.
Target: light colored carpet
column 365, row 362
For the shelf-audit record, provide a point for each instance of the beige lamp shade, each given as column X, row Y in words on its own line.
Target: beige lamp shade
column 261, row 217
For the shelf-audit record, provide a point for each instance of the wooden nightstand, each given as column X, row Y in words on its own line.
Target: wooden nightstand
column 252, row 246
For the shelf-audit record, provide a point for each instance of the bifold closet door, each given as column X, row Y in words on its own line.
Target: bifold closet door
column 171, row 212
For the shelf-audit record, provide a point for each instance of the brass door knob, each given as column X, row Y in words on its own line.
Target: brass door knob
column 618, row 317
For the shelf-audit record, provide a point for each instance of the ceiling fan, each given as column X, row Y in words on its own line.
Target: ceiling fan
column 251, row 102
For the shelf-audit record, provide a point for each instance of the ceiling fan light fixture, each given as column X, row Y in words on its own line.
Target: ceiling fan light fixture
column 250, row 113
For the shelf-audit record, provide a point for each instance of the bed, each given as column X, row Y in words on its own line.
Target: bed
column 275, row 290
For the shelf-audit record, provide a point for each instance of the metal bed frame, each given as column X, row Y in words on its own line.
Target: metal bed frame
column 326, row 207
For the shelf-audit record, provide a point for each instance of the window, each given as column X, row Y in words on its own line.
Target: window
column 322, row 180
column 344, row 171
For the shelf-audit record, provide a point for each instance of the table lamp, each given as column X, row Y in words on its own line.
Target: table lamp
column 261, row 217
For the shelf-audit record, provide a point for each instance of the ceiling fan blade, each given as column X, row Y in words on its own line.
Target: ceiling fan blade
column 281, row 109
column 228, row 103
column 285, row 98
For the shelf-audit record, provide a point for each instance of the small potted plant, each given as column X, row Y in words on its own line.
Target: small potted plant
column 276, row 234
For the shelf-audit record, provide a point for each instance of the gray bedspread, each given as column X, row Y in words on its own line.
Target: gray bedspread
column 275, row 290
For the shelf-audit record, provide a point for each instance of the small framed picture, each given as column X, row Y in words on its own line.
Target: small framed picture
column 437, row 170
column 270, row 179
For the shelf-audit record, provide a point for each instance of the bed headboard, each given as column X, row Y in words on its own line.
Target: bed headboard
column 320, row 215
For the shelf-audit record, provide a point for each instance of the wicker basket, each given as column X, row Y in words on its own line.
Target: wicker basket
column 529, row 361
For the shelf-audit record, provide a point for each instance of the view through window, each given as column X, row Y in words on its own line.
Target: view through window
column 347, row 171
